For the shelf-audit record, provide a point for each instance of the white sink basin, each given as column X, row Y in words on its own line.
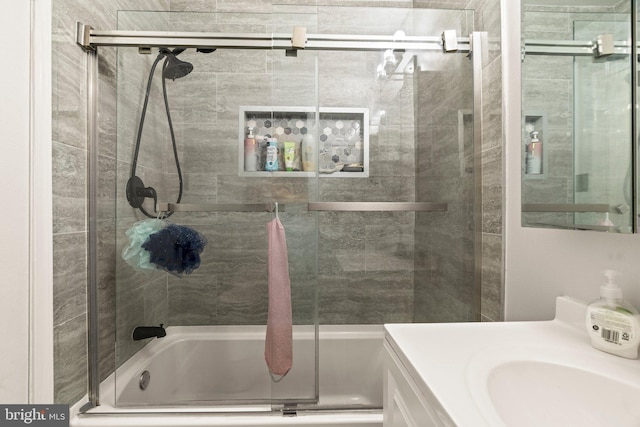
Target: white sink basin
column 520, row 374
column 555, row 382
column 535, row 393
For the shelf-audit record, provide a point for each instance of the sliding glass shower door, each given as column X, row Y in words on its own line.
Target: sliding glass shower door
column 219, row 311
column 397, row 236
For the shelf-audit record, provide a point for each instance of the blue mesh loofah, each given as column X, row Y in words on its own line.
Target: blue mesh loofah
column 176, row 249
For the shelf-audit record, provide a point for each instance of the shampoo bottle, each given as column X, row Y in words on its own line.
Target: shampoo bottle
column 612, row 323
column 272, row 155
column 289, row 155
column 308, row 153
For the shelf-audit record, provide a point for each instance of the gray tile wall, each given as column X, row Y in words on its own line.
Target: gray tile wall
column 623, row 6
column 444, row 240
column 443, row 267
column 548, row 90
column 365, row 260
column 487, row 18
column 444, row 290
column 69, row 192
column 369, row 256
column 141, row 297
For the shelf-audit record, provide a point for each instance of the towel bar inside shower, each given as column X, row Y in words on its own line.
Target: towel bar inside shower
column 220, row 207
column 377, row 206
column 566, row 207
column 311, row 207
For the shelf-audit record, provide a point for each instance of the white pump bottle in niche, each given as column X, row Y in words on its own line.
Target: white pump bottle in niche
column 612, row 323
column 250, row 151
column 534, row 155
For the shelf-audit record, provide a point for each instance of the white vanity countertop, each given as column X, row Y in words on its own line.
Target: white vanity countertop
column 452, row 361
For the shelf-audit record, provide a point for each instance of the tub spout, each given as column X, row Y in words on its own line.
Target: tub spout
column 143, row 332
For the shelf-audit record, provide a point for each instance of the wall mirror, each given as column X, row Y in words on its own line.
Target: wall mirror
column 578, row 84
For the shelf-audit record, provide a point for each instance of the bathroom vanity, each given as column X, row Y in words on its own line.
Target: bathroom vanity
column 506, row 374
column 408, row 401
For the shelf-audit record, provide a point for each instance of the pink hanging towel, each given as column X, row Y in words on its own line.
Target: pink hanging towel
column 278, row 349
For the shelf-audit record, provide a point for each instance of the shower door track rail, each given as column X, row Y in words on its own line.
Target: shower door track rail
column 569, row 48
column 90, row 39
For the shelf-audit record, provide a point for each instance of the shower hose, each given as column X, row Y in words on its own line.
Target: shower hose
column 150, row 191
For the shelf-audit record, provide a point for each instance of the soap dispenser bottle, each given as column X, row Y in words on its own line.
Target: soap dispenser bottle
column 534, row 155
column 250, row 152
column 612, row 323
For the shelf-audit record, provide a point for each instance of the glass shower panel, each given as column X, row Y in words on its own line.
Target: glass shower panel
column 294, row 116
column 445, row 289
column 602, row 149
column 224, row 302
column 396, row 266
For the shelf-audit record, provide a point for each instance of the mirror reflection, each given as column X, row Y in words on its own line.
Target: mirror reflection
column 576, row 116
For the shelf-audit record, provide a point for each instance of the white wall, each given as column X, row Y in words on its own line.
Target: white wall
column 26, row 294
column 542, row 264
column 15, row 24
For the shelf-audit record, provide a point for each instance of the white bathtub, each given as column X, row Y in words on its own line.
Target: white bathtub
column 216, row 376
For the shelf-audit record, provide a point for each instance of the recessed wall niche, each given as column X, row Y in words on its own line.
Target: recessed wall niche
column 339, row 139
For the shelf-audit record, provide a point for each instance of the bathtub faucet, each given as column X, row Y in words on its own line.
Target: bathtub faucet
column 143, row 332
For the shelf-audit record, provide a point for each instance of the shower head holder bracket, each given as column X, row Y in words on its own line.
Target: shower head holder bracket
column 137, row 192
